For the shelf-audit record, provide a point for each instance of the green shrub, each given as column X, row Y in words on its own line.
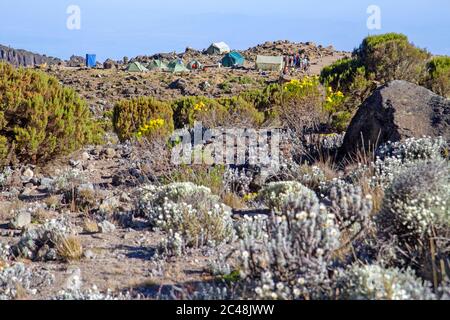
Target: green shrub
column 264, row 100
column 438, row 79
column 40, row 119
column 131, row 115
column 378, row 60
column 391, row 57
column 212, row 113
column 341, row 74
column 190, row 109
column 241, row 112
column 301, row 106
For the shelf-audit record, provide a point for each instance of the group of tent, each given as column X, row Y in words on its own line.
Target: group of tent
column 229, row 60
column 175, row 66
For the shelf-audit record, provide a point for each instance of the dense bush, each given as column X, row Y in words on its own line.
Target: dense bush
column 130, row 116
column 391, row 57
column 190, row 109
column 378, row 60
column 241, row 113
column 213, row 113
column 40, row 119
column 349, row 76
column 438, row 79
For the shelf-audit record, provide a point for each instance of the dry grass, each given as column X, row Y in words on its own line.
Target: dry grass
column 8, row 209
column 69, row 248
column 53, row 202
column 21, row 293
column 234, row 201
column 42, row 215
column 90, row 226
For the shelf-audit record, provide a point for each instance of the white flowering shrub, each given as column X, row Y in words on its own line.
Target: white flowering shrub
column 291, row 260
column 312, row 177
column 19, row 277
column 39, row 243
column 237, row 181
column 395, row 157
column 5, row 174
column 93, row 294
column 413, row 149
column 67, row 180
column 276, row 194
column 373, row 282
column 350, row 206
column 5, row 255
column 418, row 199
column 189, row 212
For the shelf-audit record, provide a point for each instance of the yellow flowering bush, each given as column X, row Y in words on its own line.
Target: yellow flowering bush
column 250, row 197
column 301, row 87
column 334, row 106
column 142, row 114
column 201, row 106
column 150, row 129
column 300, row 106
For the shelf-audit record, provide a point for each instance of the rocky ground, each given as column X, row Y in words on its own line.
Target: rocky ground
column 120, row 254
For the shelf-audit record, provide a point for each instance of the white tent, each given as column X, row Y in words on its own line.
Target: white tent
column 218, row 48
column 269, row 63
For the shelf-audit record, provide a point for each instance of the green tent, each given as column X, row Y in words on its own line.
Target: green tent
column 136, row 67
column 233, row 59
column 194, row 65
column 157, row 65
column 177, row 66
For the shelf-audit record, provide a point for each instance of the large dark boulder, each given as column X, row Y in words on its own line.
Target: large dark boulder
column 394, row 112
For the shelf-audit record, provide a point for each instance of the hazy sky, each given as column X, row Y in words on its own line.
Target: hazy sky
column 117, row 28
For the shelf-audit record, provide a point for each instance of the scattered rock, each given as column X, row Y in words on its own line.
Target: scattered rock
column 46, row 183
column 106, row 227
column 21, row 220
column 110, row 153
column 89, row 254
column 74, row 280
column 27, row 175
column 109, row 205
column 85, row 156
column 74, row 163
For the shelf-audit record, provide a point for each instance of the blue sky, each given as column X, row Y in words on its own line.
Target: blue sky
column 117, row 28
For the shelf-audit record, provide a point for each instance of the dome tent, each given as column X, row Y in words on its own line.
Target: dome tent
column 136, row 67
column 218, row 48
column 177, row 66
column 233, row 59
column 157, row 65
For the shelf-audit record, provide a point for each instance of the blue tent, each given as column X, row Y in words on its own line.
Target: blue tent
column 233, row 59
column 91, row 60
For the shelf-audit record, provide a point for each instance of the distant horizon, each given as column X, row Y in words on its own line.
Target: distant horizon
column 115, row 28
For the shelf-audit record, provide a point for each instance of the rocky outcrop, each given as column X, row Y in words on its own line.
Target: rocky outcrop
column 394, row 112
column 76, row 61
column 25, row 58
